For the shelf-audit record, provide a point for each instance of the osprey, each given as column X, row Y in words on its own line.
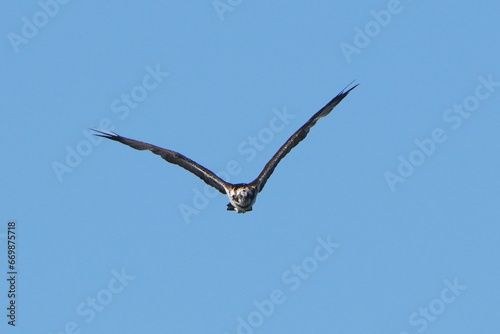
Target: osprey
column 242, row 195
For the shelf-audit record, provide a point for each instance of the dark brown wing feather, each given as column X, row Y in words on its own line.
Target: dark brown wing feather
column 296, row 138
column 173, row 157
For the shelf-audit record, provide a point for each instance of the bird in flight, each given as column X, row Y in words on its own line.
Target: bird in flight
column 242, row 196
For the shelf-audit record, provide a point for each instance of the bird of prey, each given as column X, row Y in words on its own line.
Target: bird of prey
column 242, row 195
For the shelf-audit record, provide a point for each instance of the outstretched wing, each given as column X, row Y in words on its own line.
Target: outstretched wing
column 173, row 157
column 296, row 138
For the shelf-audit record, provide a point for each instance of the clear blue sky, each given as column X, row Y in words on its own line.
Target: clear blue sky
column 384, row 220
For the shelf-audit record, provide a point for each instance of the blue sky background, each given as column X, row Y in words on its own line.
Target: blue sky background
column 115, row 212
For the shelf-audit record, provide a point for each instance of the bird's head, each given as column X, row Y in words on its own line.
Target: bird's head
column 242, row 197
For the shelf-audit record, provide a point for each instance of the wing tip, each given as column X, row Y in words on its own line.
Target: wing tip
column 105, row 134
column 346, row 90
